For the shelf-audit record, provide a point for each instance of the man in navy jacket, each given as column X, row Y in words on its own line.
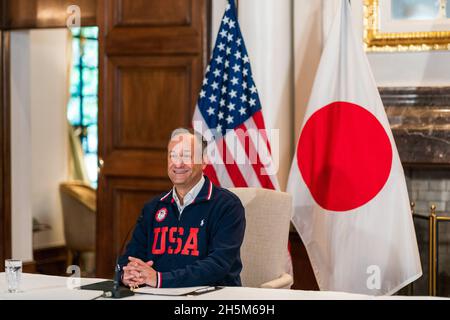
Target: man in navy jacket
column 191, row 235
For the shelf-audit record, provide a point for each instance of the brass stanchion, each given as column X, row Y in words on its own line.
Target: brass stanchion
column 432, row 253
column 413, row 213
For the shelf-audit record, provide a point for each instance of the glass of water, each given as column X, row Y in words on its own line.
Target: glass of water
column 13, row 272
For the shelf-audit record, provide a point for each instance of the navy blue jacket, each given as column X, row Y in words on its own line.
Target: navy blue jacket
column 202, row 247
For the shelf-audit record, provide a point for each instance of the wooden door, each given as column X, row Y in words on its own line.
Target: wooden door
column 152, row 58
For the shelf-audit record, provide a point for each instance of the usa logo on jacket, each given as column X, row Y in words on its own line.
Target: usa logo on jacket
column 161, row 214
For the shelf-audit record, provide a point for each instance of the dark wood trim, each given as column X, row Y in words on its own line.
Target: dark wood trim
column 304, row 278
column 38, row 14
column 207, row 39
column 52, row 260
column 29, row 267
column 101, row 152
column 5, row 150
column 3, row 13
column 4, row 240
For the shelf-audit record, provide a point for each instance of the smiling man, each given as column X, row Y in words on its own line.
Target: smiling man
column 191, row 235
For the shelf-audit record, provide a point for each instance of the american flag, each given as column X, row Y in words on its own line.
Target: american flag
column 229, row 107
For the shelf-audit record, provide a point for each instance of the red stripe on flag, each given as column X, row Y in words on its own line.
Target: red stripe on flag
column 231, row 166
column 259, row 121
column 210, row 172
column 250, row 149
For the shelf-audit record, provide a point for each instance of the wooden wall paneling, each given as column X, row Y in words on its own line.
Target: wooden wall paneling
column 154, row 13
column 33, row 14
column 152, row 59
column 121, row 202
column 147, row 97
column 181, row 31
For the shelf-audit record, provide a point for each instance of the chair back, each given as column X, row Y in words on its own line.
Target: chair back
column 264, row 250
column 79, row 207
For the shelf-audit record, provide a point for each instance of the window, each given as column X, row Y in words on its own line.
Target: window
column 83, row 105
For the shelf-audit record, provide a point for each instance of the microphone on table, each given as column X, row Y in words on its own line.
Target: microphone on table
column 116, row 286
column 113, row 289
column 118, row 291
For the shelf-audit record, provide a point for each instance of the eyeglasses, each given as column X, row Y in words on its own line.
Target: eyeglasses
column 185, row 157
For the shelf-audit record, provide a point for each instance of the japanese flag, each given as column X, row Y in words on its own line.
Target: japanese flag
column 351, row 205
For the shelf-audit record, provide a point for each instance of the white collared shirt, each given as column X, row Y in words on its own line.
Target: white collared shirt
column 189, row 197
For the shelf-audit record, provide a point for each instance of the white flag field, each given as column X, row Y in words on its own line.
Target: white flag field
column 351, row 205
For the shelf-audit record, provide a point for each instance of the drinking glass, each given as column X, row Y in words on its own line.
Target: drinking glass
column 13, row 272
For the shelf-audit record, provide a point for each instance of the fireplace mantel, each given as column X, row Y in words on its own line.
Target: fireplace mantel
column 420, row 121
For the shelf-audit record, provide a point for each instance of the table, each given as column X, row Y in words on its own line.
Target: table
column 42, row 287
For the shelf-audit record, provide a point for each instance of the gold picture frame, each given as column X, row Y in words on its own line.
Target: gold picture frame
column 376, row 40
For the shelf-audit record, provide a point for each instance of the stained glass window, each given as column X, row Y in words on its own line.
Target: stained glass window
column 83, row 105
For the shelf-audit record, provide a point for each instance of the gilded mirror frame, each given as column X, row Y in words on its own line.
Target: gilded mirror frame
column 377, row 40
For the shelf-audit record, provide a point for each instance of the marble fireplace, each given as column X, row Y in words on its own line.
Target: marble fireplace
column 420, row 122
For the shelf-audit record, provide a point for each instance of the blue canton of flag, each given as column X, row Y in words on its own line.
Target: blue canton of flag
column 228, row 96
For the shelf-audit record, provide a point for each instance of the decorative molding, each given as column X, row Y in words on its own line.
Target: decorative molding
column 119, row 18
column 39, row 14
column 376, row 40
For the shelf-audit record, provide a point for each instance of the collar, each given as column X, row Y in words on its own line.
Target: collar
column 191, row 195
column 205, row 193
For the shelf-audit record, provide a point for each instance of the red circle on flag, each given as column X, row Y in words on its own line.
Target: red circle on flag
column 344, row 156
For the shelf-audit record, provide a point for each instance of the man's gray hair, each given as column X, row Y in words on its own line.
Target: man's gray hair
column 200, row 139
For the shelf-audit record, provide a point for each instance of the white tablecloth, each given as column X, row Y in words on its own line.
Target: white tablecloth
column 34, row 286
